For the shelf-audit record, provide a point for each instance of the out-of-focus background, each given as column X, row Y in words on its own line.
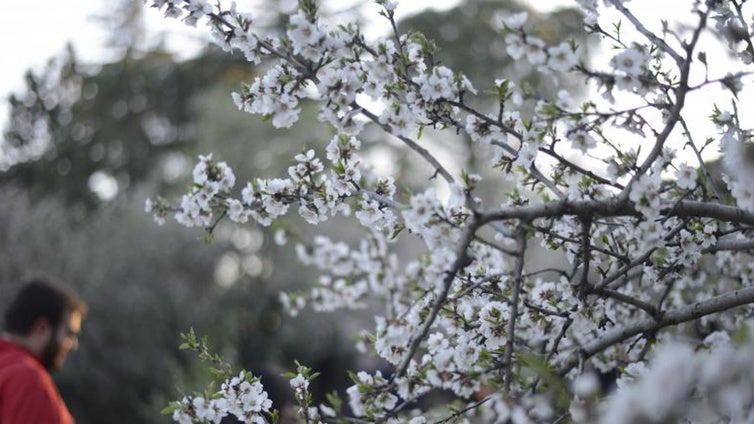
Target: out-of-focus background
column 120, row 114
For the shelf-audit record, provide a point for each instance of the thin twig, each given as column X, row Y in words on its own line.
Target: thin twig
column 517, row 282
column 624, row 298
column 647, row 33
column 410, row 143
column 702, row 163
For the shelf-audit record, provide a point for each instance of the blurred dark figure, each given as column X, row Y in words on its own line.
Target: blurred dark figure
column 41, row 327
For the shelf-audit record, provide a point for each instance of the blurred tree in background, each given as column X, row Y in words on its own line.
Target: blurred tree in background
column 471, row 43
column 140, row 286
column 72, row 132
column 79, row 155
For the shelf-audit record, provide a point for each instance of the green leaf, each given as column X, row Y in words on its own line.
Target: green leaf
column 170, row 408
column 274, row 416
column 334, row 400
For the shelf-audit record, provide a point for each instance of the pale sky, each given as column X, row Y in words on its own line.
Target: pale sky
column 33, row 31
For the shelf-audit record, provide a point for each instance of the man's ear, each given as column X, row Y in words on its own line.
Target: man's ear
column 40, row 327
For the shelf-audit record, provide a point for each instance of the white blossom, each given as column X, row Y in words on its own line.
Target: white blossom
column 630, row 61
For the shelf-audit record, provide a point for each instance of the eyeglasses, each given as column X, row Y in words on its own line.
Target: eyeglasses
column 73, row 335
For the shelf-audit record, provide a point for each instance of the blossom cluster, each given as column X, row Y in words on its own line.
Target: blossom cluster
column 319, row 193
column 681, row 384
column 242, row 396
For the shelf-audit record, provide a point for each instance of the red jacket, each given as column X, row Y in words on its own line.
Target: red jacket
column 27, row 392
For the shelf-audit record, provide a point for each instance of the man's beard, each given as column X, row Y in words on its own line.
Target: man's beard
column 50, row 354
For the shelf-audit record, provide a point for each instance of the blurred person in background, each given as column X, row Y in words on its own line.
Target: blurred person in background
column 42, row 325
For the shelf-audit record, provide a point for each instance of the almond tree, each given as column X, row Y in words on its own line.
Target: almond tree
column 657, row 249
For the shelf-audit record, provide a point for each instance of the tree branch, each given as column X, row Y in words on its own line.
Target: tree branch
column 646, row 307
column 739, row 244
column 680, row 92
column 410, row 143
column 461, row 261
column 687, row 313
column 618, row 207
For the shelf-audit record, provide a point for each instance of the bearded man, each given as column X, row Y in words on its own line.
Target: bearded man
column 41, row 327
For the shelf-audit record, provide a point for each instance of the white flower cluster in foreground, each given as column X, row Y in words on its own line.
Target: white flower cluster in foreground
column 654, row 248
column 242, row 396
column 711, row 384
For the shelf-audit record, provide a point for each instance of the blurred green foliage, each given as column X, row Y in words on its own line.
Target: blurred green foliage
column 469, row 40
column 120, row 119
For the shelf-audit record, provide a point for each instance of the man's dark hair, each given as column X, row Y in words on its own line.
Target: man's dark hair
column 40, row 299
